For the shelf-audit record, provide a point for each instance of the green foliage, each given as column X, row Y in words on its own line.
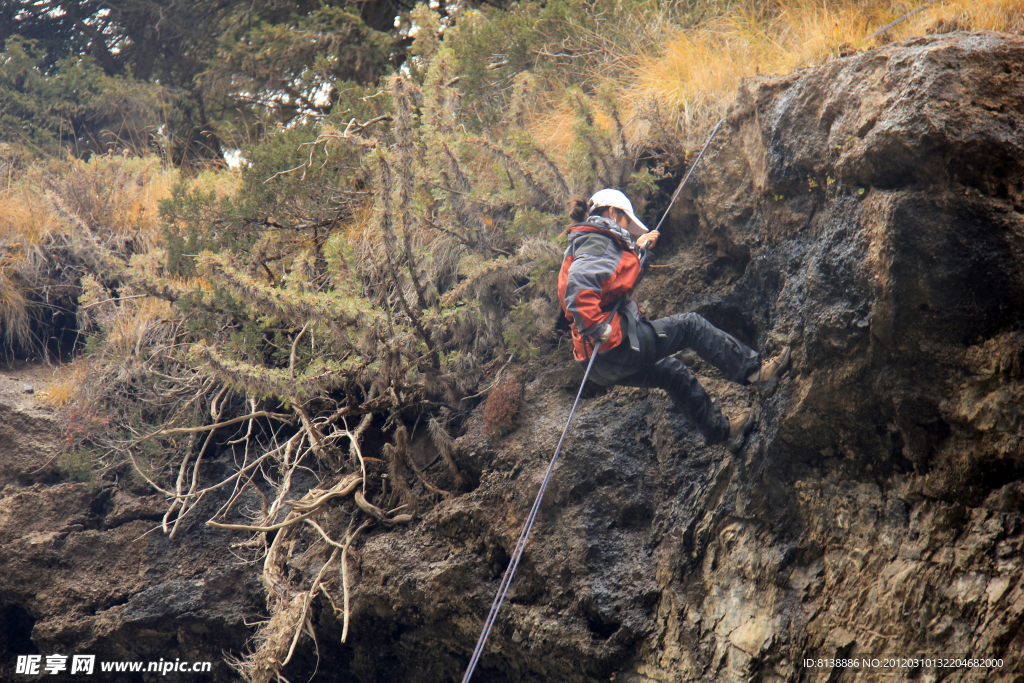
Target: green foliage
column 531, row 223
column 278, row 65
column 222, row 75
column 530, row 325
column 79, row 464
column 202, row 74
column 427, row 41
column 386, row 248
column 485, row 39
column 72, row 105
column 642, row 184
column 269, row 187
column 521, row 331
column 187, row 215
column 93, row 344
column 386, row 259
column 283, row 205
column 561, row 43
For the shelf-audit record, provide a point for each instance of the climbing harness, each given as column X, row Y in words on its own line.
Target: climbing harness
column 524, row 536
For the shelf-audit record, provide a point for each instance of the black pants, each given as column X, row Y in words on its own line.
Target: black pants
column 651, row 367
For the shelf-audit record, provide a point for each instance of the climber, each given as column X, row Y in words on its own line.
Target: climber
column 602, row 264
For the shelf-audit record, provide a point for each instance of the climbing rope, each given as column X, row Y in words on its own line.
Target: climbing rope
column 506, row 580
column 901, row 19
column 524, row 536
column 675, row 195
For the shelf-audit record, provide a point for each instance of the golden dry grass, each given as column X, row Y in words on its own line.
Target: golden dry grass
column 118, row 197
column 699, row 70
column 113, row 198
column 974, row 15
column 66, row 385
column 137, row 209
column 111, row 195
column 26, row 218
column 26, row 222
column 14, row 308
column 223, row 183
column 685, row 85
column 127, row 331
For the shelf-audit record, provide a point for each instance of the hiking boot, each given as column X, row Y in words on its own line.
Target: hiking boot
column 767, row 376
column 739, row 427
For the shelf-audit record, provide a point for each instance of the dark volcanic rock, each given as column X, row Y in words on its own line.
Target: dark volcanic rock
column 882, row 198
column 84, row 572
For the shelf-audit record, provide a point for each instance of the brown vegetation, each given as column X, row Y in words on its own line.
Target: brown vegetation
column 502, row 406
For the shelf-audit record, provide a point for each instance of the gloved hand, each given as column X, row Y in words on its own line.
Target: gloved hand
column 602, row 333
column 648, row 240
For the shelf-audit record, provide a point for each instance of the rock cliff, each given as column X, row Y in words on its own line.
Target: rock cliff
column 869, row 213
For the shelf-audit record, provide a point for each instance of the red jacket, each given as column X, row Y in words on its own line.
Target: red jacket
column 600, row 266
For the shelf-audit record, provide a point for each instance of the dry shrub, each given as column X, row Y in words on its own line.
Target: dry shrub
column 81, row 424
column 117, row 198
column 679, row 88
column 502, row 406
column 55, row 217
column 134, row 322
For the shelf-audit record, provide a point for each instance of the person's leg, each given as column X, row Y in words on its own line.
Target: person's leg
column 689, row 330
column 686, row 393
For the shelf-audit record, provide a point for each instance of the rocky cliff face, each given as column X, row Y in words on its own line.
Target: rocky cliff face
column 869, row 213
column 84, row 568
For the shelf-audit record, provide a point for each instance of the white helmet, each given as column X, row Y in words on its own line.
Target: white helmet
column 609, row 197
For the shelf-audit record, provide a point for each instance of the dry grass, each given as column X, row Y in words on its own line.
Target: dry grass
column 115, row 197
column 975, row 15
column 223, row 183
column 27, row 222
column 26, row 218
column 49, row 211
column 67, row 384
column 683, row 87
column 14, row 308
column 135, row 319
